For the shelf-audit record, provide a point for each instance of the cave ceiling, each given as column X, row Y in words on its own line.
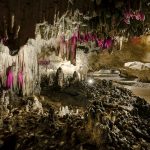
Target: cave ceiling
column 27, row 13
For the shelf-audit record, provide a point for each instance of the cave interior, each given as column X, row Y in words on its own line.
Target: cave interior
column 75, row 75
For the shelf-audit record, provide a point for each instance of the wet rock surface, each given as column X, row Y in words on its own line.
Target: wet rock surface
column 121, row 119
column 113, row 119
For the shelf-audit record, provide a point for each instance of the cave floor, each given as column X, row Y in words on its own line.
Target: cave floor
column 22, row 130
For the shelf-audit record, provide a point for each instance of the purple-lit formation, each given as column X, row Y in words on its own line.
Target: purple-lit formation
column 10, row 78
column 133, row 15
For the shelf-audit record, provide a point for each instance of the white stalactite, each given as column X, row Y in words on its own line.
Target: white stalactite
column 26, row 60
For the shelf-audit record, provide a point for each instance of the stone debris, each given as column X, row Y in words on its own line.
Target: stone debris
column 34, row 105
column 114, row 119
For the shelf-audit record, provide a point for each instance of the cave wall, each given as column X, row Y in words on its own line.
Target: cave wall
column 29, row 12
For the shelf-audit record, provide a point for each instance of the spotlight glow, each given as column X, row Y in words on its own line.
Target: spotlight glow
column 90, row 81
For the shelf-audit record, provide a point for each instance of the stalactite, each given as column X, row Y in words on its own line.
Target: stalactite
column 25, row 70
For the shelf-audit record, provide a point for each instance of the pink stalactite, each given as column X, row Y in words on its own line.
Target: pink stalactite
column 108, row 43
column 138, row 15
column 142, row 16
column 132, row 15
column 10, row 78
column 20, row 79
column 127, row 15
column 86, row 37
column 68, row 49
column 94, row 37
column 73, row 48
column 100, row 43
column 90, row 37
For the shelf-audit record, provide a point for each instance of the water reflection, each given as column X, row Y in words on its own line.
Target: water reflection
column 140, row 91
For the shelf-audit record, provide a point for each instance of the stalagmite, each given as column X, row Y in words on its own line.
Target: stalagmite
column 64, row 110
column 83, row 72
column 75, row 77
column 60, row 77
